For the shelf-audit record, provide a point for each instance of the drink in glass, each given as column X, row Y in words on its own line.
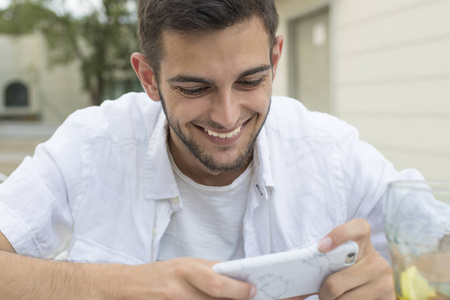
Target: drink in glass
column 417, row 227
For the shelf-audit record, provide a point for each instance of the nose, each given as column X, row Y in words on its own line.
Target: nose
column 225, row 110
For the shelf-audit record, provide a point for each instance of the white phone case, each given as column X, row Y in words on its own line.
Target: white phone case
column 291, row 273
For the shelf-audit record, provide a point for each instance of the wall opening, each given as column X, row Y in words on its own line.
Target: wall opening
column 16, row 95
column 309, row 54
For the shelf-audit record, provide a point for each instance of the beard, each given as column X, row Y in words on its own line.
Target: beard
column 207, row 159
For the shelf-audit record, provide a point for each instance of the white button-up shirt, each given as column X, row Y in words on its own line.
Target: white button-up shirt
column 102, row 188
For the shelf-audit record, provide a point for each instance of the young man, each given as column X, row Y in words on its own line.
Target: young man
column 153, row 193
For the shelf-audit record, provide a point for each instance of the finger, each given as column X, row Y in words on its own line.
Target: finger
column 356, row 230
column 373, row 272
column 356, row 294
column 170, row 281
column 369, row 292
column 339, row 283
column 377, row 287
column 217, row 285
column 186, row 291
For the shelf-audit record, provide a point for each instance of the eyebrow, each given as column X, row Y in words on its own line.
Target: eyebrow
column 188, row 78
column 254, row 71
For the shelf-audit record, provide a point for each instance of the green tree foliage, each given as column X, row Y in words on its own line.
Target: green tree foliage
column 101, row 41
column 22, row 17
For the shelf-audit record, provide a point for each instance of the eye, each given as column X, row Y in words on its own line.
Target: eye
column 252, row 83
column 192, row 92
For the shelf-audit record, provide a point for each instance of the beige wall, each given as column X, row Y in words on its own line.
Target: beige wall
column 20, row 61
column 53, row 93
column 393, row 76
column 390, row 75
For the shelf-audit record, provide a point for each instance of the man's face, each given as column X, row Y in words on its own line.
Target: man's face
column 216, row 92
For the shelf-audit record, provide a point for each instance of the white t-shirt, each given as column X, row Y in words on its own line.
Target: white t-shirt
column 209, row 225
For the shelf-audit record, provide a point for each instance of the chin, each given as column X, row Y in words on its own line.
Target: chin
column 227, row 163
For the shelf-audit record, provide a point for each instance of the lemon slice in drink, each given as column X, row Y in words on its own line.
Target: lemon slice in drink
column 414, row 286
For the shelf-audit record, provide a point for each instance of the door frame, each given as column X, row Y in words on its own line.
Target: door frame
column 291, row 50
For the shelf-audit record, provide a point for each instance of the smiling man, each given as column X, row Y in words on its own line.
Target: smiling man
column 140, row 197
column 215, row 90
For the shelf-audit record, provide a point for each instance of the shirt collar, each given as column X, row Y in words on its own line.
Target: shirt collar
column 159, row 178
column 261, row 157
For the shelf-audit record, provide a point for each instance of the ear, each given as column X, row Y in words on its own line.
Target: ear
column 276, row 53
column 146, row 75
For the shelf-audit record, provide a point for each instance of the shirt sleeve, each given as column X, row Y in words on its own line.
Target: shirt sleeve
column 366, row 175
column 36, row 201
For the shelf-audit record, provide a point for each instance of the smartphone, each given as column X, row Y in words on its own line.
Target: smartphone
column 290, row 273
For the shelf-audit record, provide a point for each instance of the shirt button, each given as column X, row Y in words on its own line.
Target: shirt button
column 175, row 200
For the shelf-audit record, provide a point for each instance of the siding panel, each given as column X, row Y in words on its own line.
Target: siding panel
column 418, row 62
column 351, row 12
column 432, row 167
column 426, row 96
column 403, row 29
column 427, row 135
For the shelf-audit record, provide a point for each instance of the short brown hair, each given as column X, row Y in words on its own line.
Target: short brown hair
column 197, row 17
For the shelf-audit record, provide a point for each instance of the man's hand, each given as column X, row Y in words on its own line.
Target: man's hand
column 187, row 278
column 184, row 278
column 369, row 278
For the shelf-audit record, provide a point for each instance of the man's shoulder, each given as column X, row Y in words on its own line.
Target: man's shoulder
column 293, row 120
column 133, row 115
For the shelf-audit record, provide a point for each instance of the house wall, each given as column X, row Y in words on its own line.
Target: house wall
column 54, row 93
column 393, row 76
column 20, row 62
column 390, row 75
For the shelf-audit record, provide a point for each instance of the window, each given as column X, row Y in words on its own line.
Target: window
column 16, row 94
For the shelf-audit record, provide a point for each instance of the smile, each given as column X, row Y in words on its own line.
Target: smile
column 223, row 135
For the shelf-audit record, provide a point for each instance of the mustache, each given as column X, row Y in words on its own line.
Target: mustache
column 214, row 125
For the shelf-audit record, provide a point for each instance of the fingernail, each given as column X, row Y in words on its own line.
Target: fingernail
column 252, row 292
column 325, row 243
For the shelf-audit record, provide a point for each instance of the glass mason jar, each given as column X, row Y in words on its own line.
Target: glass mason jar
column 417, row 227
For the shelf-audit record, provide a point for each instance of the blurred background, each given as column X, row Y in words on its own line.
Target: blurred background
column 57, row 56
column 383, row 66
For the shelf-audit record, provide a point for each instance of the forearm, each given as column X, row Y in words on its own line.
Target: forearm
column 29, row 278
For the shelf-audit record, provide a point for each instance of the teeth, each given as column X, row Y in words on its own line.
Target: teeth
column 224, row 135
